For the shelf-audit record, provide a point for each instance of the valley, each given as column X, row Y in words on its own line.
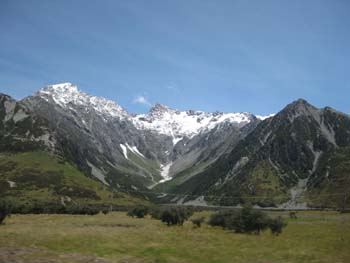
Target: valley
column 294, row 159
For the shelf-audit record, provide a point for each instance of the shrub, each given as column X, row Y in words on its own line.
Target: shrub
column 223, row 218
column 251, row 221
column 198, row 221
column 5, row 210
column 293, row 215
column 245, row 220
column 172, row 215
column 82, row 210
column 156, row 213
column 276, row 225
column 138, row 211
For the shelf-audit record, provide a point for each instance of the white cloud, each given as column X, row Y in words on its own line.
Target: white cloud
column 141, row 100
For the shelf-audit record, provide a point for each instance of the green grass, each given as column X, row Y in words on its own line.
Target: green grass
column 43, row 177
column 313, row 237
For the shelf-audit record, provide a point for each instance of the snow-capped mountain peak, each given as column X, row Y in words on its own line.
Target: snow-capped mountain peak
column 158, row 107
column 67, row 93
column 160, row 119
column 178, row 124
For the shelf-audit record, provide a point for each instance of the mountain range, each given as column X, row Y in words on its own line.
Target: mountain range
column 63, row 144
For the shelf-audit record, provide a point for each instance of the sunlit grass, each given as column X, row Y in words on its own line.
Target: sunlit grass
column 313, row 237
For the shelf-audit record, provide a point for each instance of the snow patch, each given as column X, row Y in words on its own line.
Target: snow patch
column 125, row 151
column 134, row 149
column 176, row 140
column 164, row 172
column 137, row 151
column 260, row 117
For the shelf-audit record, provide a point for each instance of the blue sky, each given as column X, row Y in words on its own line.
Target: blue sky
column 254, row 56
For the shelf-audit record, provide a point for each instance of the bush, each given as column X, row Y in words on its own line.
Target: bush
column 138, row 211
column 5, row 210
column 245, row 220
column 82, row 210
column 251, row 221
column 293, row 215
column 276, row 225
column 198, row 221
column 156, row 213
column 223, row 218
column 172, row 215
column 176, row 215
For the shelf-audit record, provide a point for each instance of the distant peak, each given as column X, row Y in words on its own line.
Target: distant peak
column 299, row 108
column 5, row 97
column 66, row 93
column 65, row 84
column 62, row 87
column 300, row 100
column 159, row 108
column 300, row 104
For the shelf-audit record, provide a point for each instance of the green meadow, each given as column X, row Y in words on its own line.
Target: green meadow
column 313, row 237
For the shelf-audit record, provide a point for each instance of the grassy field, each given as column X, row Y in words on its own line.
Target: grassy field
column 313, row 237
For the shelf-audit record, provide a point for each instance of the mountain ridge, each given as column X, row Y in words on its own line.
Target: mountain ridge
column 233, row 156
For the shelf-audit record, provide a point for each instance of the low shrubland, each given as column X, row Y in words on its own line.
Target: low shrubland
column 172, row 215
column 247, row 220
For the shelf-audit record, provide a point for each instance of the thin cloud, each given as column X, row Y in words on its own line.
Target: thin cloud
column 173, row 88
column 142, row 100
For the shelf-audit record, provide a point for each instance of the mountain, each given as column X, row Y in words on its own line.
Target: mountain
column 299, row 158
column 33, row 168
column 20, row 130
column 179, row 124
column 129, row 151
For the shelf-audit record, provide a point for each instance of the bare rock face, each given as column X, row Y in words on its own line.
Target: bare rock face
column 21, row 130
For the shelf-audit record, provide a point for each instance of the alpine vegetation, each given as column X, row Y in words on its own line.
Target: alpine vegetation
column 247, row 220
